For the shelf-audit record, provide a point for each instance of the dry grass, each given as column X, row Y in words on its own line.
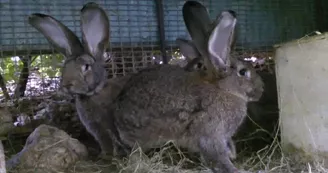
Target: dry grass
column 267, row 160
column 170, row 159
column 167, row 160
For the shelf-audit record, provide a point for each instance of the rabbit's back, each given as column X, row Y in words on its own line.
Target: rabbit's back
column 167, row 103
column 160, row 85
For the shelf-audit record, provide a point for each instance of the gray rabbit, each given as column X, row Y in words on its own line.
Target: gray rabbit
column 193, row 58
column 198, row 109
column 83, row 73
column 195, row 63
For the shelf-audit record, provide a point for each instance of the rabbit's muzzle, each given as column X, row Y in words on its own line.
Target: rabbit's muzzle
column 255, row 95
column 256, row 92
column 71, row 89
column 78, row 87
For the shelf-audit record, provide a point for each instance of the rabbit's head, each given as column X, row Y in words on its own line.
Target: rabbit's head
column 192, row 56
column 83, row 71
column 212, row 41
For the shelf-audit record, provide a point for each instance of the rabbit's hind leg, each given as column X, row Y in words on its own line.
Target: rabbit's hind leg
column 216, row 153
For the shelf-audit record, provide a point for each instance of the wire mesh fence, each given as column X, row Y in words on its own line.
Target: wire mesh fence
column 30, row 66
column 261, row 24
column 133, row 27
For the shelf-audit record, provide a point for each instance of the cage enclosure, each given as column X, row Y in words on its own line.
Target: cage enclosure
column 143, row 33
column 302, row 72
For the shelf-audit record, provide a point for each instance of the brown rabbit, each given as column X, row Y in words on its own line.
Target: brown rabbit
column 199, row 110
column 194, row 63
column 83, row 74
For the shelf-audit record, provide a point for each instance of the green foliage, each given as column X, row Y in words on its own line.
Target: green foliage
column 47, row 65
column 176, row 56
column 8, row 68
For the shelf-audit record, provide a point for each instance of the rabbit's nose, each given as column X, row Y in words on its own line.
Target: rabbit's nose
column 233, row 13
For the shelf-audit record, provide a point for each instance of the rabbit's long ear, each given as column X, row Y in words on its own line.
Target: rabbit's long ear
column 220, row 40
column 198, row 22
column 95, row 29
column 61, row 37
column 187, row 49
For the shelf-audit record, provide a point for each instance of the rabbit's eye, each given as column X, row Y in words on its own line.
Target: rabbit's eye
column 86, row 67
column 243, row 72
column 199, row 65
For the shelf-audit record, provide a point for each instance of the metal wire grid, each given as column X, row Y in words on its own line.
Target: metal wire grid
column 261, row 24
column 134, row 33
column 137, row 31
column 132, row 22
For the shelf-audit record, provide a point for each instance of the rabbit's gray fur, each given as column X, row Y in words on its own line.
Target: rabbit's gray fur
column 195, row 63
column 83, row 74
column 193, row 58
column 198, row 110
